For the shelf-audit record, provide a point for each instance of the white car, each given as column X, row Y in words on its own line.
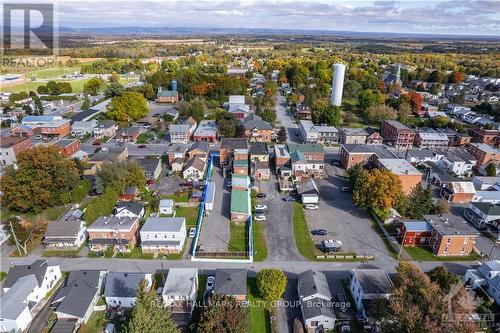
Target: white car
column 260, row 207
column 311, row 206
column 210, row 283
column 192, row 232
column 260, row 218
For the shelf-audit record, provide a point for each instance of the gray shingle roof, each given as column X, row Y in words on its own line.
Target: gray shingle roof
column 374, row 281
column 318, row 307
column 163, row 224
column 14, row 301
column 132, row 206
column 78, row 292
column 38, row 268
column 122, row 284
column 313, row 283
column 67, row 229
column 230, row 281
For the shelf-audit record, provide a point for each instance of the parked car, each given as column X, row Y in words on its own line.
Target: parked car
column 319, row 232
column 192, row 232
column 188, row 184
column 210, row 283
column 346, row 189
column 260, row 207
column 288, row 199
column 261, row 195
column 141, row 146
column 170, row 173
column 260, row 218
column 229, row 183
column 261, row 212
column 310, row 206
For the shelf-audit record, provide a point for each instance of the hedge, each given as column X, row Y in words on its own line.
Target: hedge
column 80, row 191
column 101, row 206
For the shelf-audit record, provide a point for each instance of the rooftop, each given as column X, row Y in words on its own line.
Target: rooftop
column 488, row 208
column 113, row 223
column 240, row 202
column 240, row 181
column 149, row 164
column 258, row 148
column 180, row 281
column 374, row 281
column 233, row 143
column 314, row 283
column 163, row 224
column 230, row 281
column 175, row 128
column 450, row 225
column 206, row 128
column 398, row 166
column 313, row 148
column 486, row 148
column 397, row 124
column 9, row 141
column 380, row 150
column 354, row 131
column 37, row 268
column 65, row 142
column 122, row 284
column 417, row 226
column 200, row 145
column 14, row 301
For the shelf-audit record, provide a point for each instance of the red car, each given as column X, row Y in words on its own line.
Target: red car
column 141, row 146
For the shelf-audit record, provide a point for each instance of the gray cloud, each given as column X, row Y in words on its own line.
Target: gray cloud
column 450, row 16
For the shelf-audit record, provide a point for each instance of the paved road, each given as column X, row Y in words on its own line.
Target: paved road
column 133, row 149
column 283, row 114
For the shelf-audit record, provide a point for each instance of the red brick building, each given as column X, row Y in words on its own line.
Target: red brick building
column 458, row 192
column 414, row 233
column 484, row 153
column 398, row 134
column 489, row 137
column 68, row 147
column 228, row 146
column 10, row 146
column 56, row 128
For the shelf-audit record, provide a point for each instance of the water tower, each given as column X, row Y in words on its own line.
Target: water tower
column 173, row 84
column 337, row 84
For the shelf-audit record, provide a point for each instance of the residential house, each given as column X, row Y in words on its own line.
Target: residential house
column 129, row 209
column 451, row 235
column 483, row 213
column 308, row 192
column 120, row 233
column 368, row 285
column 10, row 147
column 128, row 134
column 307, row 160
column 78, row 295
column 414, row 233
column 68, row 147
column 455, row 139
column 166, row 206
column 259, row 159
column 281, row 155
column 227, row 147
column 315, row 300
column 317, row 134
column 484, row 153
column 409, row 176
column 485, row 183
column 454, row 109
column 176, row 151
column 374, row 137
column 106, row 129
column 177, row 164
column 83, row 128
column 240, row 205
column 429, row 138
column 179, row 133
column 67, row 233
column 163, row 235
column 231, row 282
column 489, row 137
column 22, row 131
column 352, row 135
column 195, row 168
column 167, row 96
column 207, row 130
column 486, row 277
column 304, row 112
column 129, row 193
column 238, row 107
column 458, row 191
column 397, row 134
column 199, row 149
column 152, row 167
column 120, row 289
column 24, row 287
column 257, row 130
column 191, row 123
column 106, row 154
column 179, row 293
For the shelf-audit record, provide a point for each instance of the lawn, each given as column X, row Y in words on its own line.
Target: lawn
column 144, row 137
column 259, row 242
column 190, row 213
column 62, row 253
column 419, row 253
column 305, row 244
column 238, row 239
column 259, row 315
column 184, row 197
column 51, row 213
column 136, row 253
column 3, row 275
column 95, row 324
column 76, row 85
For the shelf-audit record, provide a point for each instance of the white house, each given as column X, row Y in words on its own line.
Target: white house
column 367, row 285
column 129, row 209
column 24, row 287
column 121, row 288
column 316, row 301
column 76, row 299
column 487, row 277
column 82, row 128
column 68, row 233
column 163, row 235
column 179, row 292
column 482, row 213
column 194, row 168
column 166, row 206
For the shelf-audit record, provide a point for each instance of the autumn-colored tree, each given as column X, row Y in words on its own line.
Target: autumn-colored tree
column 130, row 106
column 43, row 178
column 222, row 314
column 457, row 77
column 201, row 89
column 377, row 114
column 417, row 305
column 378, row 190
column 414, row 99
column 26, row 233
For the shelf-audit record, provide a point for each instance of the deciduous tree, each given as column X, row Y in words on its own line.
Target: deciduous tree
column 130, row 106
column 222, row 314
column 93, row 86
column 271, row 283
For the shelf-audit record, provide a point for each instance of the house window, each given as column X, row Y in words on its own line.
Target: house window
column 466, row 240
column 449, row 241
column 463, row 249
column 314, row 323
column 446, row 249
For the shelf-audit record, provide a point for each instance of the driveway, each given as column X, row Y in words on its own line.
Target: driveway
column 343, row 220
column 167, row 185
column 279, row 224
column 214, row 234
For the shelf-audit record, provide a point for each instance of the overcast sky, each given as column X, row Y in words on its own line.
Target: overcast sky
column 436, row 16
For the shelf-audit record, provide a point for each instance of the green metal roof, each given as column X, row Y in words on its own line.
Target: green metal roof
column 240, row 202
column 167, row 93
column 306, row 148
column 240, row 163
column 240, row 180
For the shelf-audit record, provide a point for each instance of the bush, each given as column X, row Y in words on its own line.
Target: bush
column 101, row 206
column 80, row 191
column 271, row 283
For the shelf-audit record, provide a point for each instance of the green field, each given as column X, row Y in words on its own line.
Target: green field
column 423, row 254
column 238, row 239
column 258, row 313
column 259, row 242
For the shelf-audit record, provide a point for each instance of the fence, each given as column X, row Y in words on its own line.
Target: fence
column 395, row 245
column 357, row 256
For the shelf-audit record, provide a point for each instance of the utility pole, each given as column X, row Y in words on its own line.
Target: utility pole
column 402, row 244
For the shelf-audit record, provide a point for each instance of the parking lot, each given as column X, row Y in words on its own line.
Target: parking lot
column 342, row 219
column 214, row 235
